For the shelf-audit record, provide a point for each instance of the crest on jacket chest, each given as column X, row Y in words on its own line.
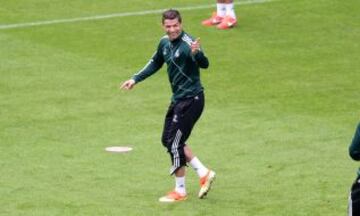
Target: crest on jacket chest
column 177, row 53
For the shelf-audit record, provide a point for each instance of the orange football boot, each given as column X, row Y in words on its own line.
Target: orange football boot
column 227, row 23
column 213, row 20
column 205, row 183
column 173, row 196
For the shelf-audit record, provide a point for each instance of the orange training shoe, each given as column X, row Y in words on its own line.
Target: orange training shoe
column 213, row 20
column 227, row 23
column 173, row 196
column 205, row 183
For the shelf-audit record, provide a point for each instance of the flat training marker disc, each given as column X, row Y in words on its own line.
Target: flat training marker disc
column 118, row 149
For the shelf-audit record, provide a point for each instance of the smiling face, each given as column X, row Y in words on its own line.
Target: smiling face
column 173, row 28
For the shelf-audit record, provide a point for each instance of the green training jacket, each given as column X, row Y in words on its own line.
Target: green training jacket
column 182, row 67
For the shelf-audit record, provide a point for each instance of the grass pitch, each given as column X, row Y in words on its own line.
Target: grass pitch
column 282, row 103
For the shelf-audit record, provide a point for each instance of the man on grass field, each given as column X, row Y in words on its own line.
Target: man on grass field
column 184, row 58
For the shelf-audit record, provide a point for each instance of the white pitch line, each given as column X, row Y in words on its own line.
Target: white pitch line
column 124, row 14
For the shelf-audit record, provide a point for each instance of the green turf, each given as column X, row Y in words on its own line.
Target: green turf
column 282, row 103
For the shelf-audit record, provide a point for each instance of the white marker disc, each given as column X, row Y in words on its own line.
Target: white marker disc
column 118, row 149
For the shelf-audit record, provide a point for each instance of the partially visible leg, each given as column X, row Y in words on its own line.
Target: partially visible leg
column 195, row 163
column 188, row 154
column 217, row 16
column 221, row 8
column 180, row 181
column 229, row 20
column 229, row 6
column 169, row 141
column 179, row 193
column 207, row 176
column 172, row 137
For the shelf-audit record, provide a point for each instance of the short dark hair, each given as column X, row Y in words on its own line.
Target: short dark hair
column 171, row 14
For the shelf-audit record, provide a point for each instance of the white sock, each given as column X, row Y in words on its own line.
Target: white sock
column 180, row 185
column 200, row 169
column 230, row 10
column 221, row 9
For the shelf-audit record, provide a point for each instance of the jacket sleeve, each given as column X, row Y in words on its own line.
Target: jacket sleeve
column 153, row 65
column 354, row 149
column 201, row 59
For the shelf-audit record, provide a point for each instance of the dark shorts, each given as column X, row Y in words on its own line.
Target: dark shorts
column 354, row 199
column 179, row 122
